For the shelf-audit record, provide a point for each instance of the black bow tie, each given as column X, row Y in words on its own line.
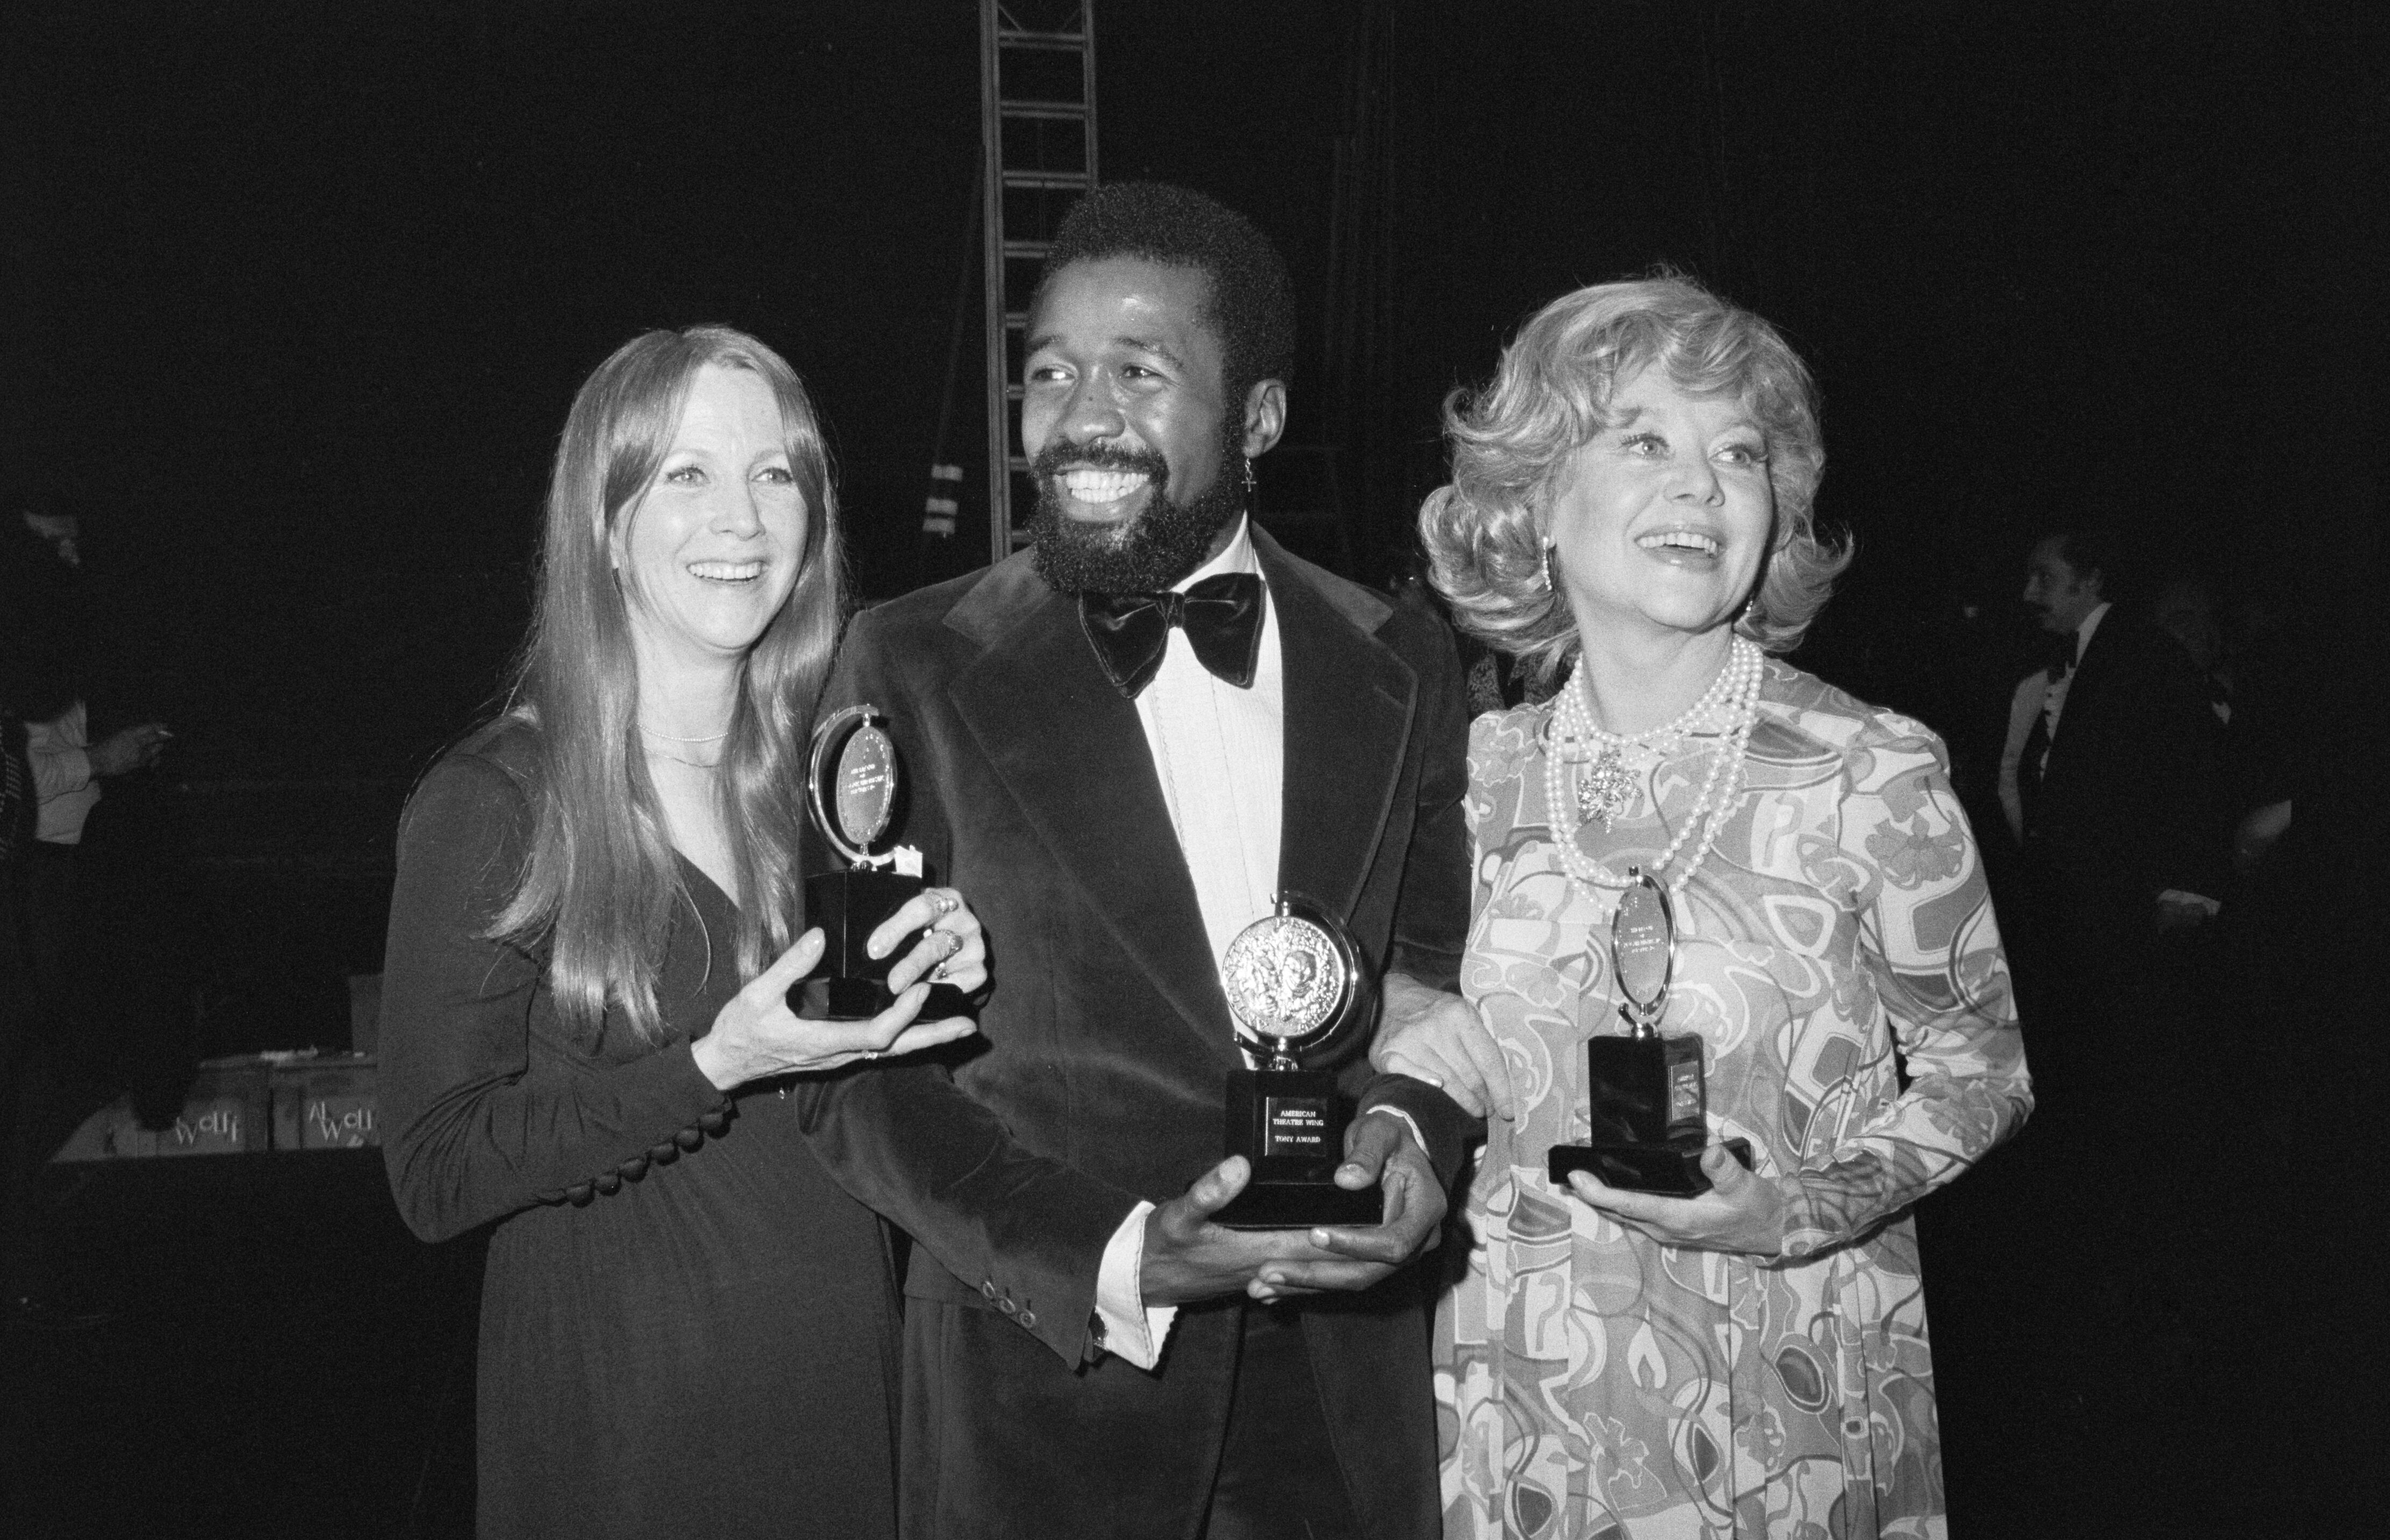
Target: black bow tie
column 1221, row 617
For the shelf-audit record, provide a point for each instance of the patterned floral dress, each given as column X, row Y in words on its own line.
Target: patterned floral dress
column 1593, row 1384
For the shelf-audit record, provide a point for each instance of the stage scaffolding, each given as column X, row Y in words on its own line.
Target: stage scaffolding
column 1037, row 131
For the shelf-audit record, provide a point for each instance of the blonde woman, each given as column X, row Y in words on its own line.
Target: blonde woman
column 1630, row 508
column 686, row 1328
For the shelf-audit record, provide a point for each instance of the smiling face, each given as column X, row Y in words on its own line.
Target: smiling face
column 708, row 552
column 1136, row 450
column 1665, row 519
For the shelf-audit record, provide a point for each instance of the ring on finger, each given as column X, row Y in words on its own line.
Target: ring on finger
column 944, row 902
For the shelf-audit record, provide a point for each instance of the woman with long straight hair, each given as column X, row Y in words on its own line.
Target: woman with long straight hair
column 686, row 1328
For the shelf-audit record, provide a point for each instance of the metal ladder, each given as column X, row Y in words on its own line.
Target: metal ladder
column 1037, row 130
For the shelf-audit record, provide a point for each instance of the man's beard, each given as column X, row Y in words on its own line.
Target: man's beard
column 1160, row 546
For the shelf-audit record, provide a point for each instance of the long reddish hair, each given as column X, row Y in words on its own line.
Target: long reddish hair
column 599, row 885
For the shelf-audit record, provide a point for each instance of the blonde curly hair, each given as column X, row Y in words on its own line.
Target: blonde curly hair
column 1513, row 440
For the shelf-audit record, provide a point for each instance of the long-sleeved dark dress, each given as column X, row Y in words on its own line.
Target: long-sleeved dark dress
column 686, row 1328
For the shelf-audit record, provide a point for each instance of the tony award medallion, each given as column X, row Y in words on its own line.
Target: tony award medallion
column 1647, row 1101
column 1291, row 980
column 851, row 790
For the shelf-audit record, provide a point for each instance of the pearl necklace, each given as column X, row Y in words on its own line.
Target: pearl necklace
column 1733, row 697
column 1607, row 790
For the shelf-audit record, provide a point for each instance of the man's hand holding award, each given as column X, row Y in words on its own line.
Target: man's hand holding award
column 1309, row 1200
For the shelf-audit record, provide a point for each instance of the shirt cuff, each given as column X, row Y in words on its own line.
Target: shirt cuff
column 1408, row 1121
column 1132, row 1330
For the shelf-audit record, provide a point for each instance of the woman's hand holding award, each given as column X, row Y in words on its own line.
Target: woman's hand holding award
column 851, row 792
column 1648, row 1103
column 1292, row 981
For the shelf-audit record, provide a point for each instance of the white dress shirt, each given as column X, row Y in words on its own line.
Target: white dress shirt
column 1220, row 754
column 2053, row 702
column 2032, row 694
column 2038, row 695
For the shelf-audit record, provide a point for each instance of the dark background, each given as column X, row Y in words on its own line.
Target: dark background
column 297, row 294
column 294, row 298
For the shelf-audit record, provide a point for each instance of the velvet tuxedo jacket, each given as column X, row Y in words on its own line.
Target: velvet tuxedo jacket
column 1098, row 1076
column 2130, row 801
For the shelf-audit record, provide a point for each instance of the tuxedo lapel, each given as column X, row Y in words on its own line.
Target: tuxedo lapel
column 2091, row 670
column 1069, row 749
column 2083, row 722
column 1349, row 701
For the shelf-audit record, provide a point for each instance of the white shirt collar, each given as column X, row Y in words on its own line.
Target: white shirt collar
column 1237, row 558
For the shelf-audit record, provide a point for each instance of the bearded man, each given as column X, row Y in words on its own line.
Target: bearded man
column 1122, row 744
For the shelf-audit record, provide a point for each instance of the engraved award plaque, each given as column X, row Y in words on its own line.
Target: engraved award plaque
column 851, row 790
column 1646, row 1099
column 1292, row 981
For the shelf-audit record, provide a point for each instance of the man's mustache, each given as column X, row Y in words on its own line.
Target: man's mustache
column 1057, row 457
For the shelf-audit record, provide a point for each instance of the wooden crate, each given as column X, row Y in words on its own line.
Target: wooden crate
column 326, row 1103
column 247, row 1105
column 224, row 1114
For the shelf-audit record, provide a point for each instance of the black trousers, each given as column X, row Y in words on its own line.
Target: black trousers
column 1279, row 1478
column 43, row 1091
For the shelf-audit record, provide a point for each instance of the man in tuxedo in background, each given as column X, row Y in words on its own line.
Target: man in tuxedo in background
column 2118, row 774
column 2118, row 782
column 1122, row 744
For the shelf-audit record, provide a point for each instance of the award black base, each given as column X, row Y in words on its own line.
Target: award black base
column 1645, row 1112
column 1644, row 1090
column 1299, row 1206
column 1290, row 1124
column 848, row 984
column 1670, row 1170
